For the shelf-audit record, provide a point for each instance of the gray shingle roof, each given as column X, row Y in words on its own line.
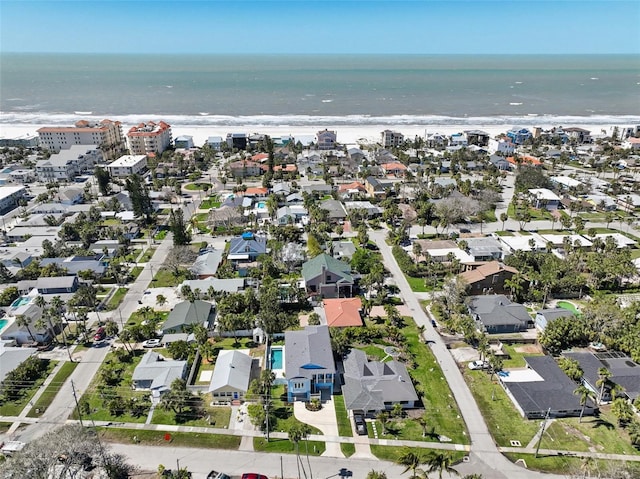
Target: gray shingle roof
column 233, row 369
column 313, row 268
column 308, row 350
column 623, row 370
column 495, row 310
column 160, row 371
column 555, row 391
column 369, row 384
column 187, row 313
column 554, row 313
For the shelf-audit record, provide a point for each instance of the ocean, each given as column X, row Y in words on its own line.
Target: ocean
column 335, row 90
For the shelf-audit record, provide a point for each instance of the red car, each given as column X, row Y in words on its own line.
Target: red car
column 253, row 475
column 100, row 334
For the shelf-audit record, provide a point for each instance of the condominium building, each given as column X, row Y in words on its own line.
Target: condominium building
column 10, row 197
column 391, row 139
column 67, row 164
column 106, row 134
column 127, row 165
column 149, row 138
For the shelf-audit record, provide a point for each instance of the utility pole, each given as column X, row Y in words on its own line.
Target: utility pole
column 75, row 398
column 544, row 425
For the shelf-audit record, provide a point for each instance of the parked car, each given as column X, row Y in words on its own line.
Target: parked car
column 361, row 426
column 479, row 365
column 100, row 334
column 253, row 475
column 217, row 475
column 152, row 343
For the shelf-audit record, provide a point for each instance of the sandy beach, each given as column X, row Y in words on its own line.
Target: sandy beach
column 347, row 134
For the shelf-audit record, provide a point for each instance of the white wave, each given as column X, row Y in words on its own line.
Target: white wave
column 513, row 103
column 203, row 113
column 53, row 119
column 83, row 112
column 518, row 83
column 594, row 78
column 327, row 101
column 168, row 86
column 15, row 99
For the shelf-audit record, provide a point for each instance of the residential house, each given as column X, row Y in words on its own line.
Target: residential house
column 631, row 143
column 11, row 357
column 580, row 135
column 624, row 372
column 443, row 251
column 519, row 135
column 73, row 265
column 374, row 386
column 544, row 390
column 70, row 196
column 458, row 140
column 350, row 190
column 10, row 197
column 214, row 142
column 546, row 316
column 395, row 168
column 477, row 137
column 206, row 264
column 514, row 162
column 149, row 138
column 499, row 162
column 503, row 146
column 57, row 285
column 369, row 209
column 484, row 249
column 356, row 154
column 336, row 210
column 127, row 165
column 343, row 312
column 225, row 216
column 184, row 142
column 522, row 243
column 245, row 168
column 226, row 285
column 375, row 188
column 292, row 215
column 544, row 198
column 489, row 278
column 496, row 314
column 24, row 307
column 156, row 373
column 327, row 277
column 247, row 247
column 232, row 375
column 189, row 313
column 343, row 249
column 309, row 366
column 436, row 140
column 237, row 141
column 326, row 140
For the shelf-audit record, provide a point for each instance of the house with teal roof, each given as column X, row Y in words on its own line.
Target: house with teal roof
column 327, row 277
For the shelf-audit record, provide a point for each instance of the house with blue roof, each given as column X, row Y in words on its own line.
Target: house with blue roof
column 247, row 247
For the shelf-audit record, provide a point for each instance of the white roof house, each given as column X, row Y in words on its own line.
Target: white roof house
column 521, row 243
column 231, row 375
column 621, row 240
column 11, row 358
column 156, row 373
column 565, row 181
column 544, row 194
column 558, row 239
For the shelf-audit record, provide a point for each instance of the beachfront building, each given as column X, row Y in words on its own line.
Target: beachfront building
column 519, row 135
column 184, row 142
column 67, row 164
column 237, row 141
column 10, row 197
column 326, row 139
column 24, row 141
column 106, row 134
column 503, row 146
column 391, row 139
column 127, row 165
column 147, row 138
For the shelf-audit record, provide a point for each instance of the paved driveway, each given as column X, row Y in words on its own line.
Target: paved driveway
column 325, row 420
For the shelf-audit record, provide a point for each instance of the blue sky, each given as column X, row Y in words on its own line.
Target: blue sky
column 346, row 26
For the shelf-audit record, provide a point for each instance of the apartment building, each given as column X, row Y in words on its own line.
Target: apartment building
column 10, row 197
column 391, row 139
column 106, row 134
column 67, row 164
column 127, row 165
column 149, row 138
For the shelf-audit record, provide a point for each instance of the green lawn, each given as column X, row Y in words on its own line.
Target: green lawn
column 571, row 465
column 135, row 271
column 284, row 446
column 344, row 425
column 392, row 453
column 516, row 359
column 376, row 352
column 216, row 416
column 14, row 408
column 52, row 389
column 536, row 214
column 417, row 284
column 116, row 298
column 177, row 439
column 148, row 254
column 504, row 421
column 165, row 279
column 210, row 203
column 197, row 186
column 161, row 235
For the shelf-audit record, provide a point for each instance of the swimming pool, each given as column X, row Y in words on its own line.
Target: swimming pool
column 262, row 204
column 3, row 323
column 276, row 358
column 21, row 301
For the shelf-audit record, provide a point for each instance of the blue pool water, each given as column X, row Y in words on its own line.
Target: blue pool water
column 276, row 359
column 262, row 204
column 3, row 323
column 22, row 300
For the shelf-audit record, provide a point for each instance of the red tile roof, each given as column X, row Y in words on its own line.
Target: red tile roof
column 525, row 159
column 342, row 312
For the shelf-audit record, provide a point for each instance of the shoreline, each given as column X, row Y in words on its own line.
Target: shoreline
column 346, row 134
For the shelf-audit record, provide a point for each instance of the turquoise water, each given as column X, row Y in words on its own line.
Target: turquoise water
column 276, row 359
column 21, row 301
column 262, row 204
column 568, row 305
column 3, row 323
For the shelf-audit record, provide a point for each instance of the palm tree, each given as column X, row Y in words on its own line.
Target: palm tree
column 24, row 321
column 422, row 420
column 383, row 418
column 585, row 394
column 161, row 300
column 441, row 462
column 411, row 462
column 603, row 380
column 483, row 347
column 376, row 475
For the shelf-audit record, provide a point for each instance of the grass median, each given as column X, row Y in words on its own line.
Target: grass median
column 170, row 439
column 52, row 389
